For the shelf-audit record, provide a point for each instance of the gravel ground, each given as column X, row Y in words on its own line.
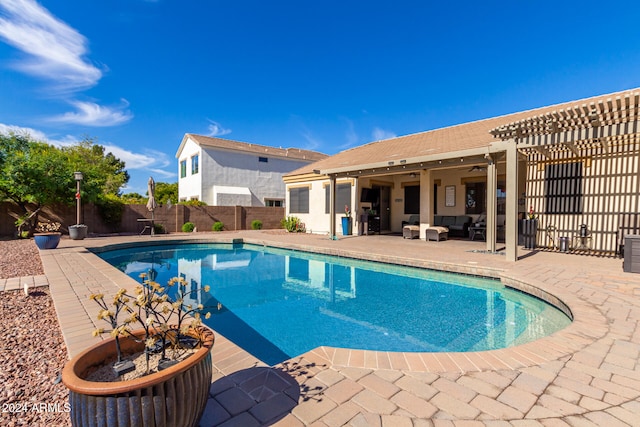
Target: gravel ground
column 19, row 258
column 32, row 351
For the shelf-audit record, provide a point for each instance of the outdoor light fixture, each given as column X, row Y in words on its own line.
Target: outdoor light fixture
column 78, row 178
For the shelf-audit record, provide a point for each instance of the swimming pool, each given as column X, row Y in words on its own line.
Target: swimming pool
column 278, row 304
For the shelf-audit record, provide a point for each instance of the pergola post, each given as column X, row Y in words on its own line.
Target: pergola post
column 511, row 206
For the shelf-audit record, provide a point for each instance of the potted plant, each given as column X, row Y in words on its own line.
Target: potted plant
column 156, row 375
column 47, row 235
column 346, row 221
column 78, row 231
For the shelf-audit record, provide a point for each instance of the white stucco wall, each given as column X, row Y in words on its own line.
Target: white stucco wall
column 226, row 168
column 189, row 187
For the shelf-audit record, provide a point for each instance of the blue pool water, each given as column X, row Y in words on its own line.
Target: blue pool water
column 278, row 304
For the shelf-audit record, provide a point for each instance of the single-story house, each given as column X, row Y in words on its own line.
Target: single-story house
column 222, row 172
column 574, row 167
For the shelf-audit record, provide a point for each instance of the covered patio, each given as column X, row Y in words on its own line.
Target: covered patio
column 573, row 168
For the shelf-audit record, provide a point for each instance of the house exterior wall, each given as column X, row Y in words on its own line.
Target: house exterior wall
column 227, row 168
column 190, row 187
column 317, row 220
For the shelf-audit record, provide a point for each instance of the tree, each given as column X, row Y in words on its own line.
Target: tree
column 166, row 192
column 102, row 173
column 35, row 174
column 133, row 198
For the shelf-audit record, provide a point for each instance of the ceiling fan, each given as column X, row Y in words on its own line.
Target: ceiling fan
column 477, row 168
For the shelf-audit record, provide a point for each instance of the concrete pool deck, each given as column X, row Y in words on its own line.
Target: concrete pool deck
column 587, row 374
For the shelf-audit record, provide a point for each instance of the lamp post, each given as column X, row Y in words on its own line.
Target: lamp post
column 78, row 178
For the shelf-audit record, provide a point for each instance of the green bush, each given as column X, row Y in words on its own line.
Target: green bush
column 193, row 203
column 158, row 228
column 188, row 227
column 256, row 224
column 217, row 226
column 292, row 224
column 110, row 208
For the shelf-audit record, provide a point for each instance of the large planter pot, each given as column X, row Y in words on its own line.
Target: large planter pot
column 530, row 231
column 78, row 232
column 175, row 396
column 346, row 226
column 47, row 240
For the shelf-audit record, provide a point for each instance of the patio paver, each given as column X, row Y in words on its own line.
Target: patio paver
column 587, row 374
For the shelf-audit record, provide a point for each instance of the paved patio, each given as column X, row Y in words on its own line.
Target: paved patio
column 585, row 375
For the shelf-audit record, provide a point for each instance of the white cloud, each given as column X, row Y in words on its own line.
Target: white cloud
column 19, row 130
column 379, row 134
column 216, row 129
column 350, row 135
column 92, row 114
column 313, row 143
column 146, row 160
column 54, row 50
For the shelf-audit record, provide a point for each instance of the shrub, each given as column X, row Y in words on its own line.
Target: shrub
column 158, row 228
column 256, row 224
column 193, row 203
column 111, row 209
column 292, row 224
column 217, row 226
column 188, row 227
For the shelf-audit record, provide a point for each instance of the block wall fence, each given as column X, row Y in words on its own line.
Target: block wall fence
column 172, row 218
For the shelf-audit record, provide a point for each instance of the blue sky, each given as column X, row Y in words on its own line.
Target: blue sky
column 137, row 75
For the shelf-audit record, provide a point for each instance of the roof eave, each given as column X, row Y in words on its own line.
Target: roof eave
column 413, row 161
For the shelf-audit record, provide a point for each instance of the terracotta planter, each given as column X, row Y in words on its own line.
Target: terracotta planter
column 47, row 240
column 175, row 396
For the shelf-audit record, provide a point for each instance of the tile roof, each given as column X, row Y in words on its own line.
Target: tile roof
column 227, row 144
column 436, row 143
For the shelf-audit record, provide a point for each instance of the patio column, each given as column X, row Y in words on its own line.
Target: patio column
column 492, row 184
column 511, row 214
column 332, row 207
column 426, row 202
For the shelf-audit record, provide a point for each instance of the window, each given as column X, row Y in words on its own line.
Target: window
column 412, row 199
column 563, row 188
column 343, row 197
column 272, row 203
column 183, row 168
column 299, row 200
column 194, row 164
column 263, row 159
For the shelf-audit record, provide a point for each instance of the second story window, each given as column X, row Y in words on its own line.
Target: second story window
column 194, row 165
column 183, row 168
column 263, row 159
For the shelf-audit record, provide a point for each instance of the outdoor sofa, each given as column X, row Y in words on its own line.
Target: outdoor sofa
column 457, row 225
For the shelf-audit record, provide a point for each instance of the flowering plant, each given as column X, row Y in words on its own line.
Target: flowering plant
column 347, row 211
column 47, row 227
column 531, row 214
column 151, row 308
